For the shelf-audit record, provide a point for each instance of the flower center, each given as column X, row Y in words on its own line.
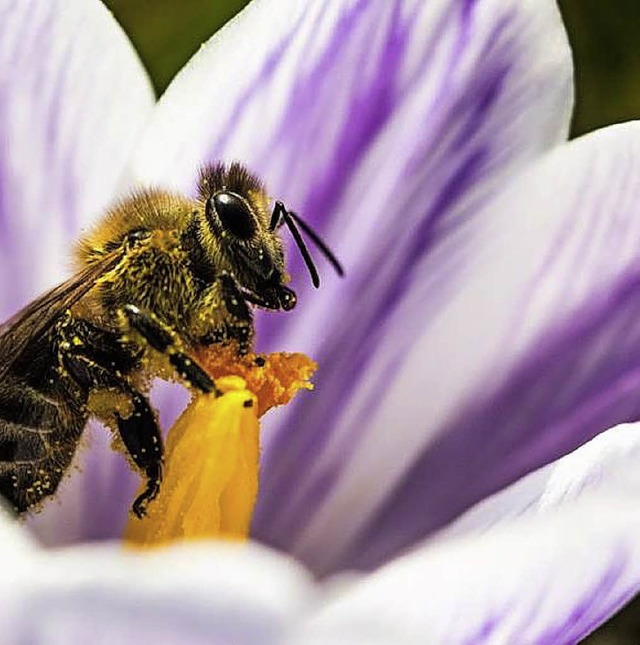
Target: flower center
column 212, row 454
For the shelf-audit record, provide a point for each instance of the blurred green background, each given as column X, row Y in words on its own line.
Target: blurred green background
column 167, row 32
column 605, row 37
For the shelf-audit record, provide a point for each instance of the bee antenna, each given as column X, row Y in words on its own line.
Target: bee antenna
column 291, row 219
column 317, row 240
column 280, row 211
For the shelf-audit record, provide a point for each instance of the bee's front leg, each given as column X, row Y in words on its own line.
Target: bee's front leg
column 225, row 315
column 240, row 319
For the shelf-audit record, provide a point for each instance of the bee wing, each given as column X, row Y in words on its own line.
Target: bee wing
column 38, row 316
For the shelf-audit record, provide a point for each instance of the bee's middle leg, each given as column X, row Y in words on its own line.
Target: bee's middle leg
column 162, row 339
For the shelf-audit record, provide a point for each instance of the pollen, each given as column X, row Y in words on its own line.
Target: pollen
column 212, row 454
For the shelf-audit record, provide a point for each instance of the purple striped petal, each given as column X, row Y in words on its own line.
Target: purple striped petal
column 545, row 581
column 606, row 463
column 358, row 113
column 73, row 98
column 213, row 594
column 533, row 349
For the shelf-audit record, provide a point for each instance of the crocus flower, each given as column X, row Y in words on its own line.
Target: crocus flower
column 488, row 325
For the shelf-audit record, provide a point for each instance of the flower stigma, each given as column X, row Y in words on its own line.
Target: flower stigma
column 212, row 453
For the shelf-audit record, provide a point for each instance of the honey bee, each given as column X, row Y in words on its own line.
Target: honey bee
column 160, row 275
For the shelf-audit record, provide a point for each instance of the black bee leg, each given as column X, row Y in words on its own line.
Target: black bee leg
column 236, row 299
column 141, row 437
column 266, row 303
column 102, row 346
column 280, row 298
column 162, row 339
column 139, row 429
column 240, row 327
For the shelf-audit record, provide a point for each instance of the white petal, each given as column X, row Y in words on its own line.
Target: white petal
column 73, row 99
column 207, row 593
column 549, row 580
column 18, row 552
column 14, row 540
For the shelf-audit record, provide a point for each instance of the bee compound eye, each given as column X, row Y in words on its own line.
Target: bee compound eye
column 234, row 214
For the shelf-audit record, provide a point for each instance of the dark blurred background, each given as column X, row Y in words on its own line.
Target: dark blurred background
column 606, row 43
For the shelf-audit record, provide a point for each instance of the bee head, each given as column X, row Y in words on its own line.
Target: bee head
column 236, row 232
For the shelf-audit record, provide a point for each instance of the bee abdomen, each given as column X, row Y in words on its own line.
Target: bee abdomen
column 38, row 439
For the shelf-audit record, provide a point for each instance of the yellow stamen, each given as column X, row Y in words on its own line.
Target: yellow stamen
column 212, row 452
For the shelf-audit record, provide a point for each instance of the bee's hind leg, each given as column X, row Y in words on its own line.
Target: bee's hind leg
column 162, row 339
column 138, row 429
column 141, row 436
